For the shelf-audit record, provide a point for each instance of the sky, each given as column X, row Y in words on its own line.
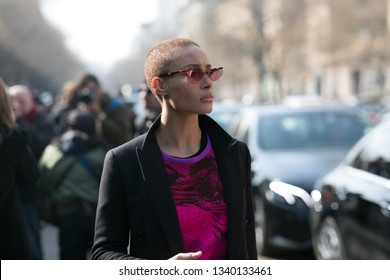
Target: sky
column 99, row 32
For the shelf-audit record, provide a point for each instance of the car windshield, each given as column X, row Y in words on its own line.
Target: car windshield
column 307, row 130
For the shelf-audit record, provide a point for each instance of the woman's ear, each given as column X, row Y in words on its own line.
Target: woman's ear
column 159, row 86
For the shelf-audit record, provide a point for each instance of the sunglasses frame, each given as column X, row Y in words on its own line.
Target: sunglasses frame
column 188, row 72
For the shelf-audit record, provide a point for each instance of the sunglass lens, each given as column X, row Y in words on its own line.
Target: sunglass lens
column 196, row 74
column 215, row 74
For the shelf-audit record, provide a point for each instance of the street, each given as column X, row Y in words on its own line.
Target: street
column 49, row 239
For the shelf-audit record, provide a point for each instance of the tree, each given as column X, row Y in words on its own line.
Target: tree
column 35, row 51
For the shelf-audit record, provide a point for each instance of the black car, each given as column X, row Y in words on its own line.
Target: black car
column 351, row 215
column 291, row 148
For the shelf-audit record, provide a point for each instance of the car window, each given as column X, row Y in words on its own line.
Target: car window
column 314, row 129
column 374, row 157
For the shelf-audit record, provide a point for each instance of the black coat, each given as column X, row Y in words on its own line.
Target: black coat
column 17, row 166
column 135, row 199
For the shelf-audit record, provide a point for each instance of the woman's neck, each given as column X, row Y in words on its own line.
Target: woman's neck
column 179, row 137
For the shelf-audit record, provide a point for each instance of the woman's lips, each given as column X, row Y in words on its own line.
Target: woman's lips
column 207, row 98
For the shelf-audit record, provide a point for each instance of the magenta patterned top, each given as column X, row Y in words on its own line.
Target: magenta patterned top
column 200, row 204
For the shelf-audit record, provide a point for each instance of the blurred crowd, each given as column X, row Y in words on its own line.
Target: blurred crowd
column 51, row 173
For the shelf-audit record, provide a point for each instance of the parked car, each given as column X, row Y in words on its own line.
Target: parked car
column 384, row 114
column 369, row 110
column 351, row 214
column 291, row 148
column 296, row 101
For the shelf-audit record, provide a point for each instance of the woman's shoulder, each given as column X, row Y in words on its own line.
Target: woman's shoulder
column 130, row 146
column 15, row 138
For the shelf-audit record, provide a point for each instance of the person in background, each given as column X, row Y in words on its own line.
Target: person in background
column 40, row 129
column 18, row 167
column 112, row 114
column 152, row 110
column 31, row 118
column 65, row 102
column 70, row 170
column 183, row 189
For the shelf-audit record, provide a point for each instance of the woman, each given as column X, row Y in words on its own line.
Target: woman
column 17, row 167
column 183, row 189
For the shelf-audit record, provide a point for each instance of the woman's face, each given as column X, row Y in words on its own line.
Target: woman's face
column 184, row 95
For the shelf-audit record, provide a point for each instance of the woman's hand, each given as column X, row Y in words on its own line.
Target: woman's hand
column 187, row 256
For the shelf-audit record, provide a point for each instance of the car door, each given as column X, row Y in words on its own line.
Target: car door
column 366, row 204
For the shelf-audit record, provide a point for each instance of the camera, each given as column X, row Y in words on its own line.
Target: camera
column 86, row 96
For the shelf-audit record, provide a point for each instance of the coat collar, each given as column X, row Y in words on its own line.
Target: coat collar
column 213, row 129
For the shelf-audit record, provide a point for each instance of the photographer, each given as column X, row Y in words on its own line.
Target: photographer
column 152, row 109
column 112, row 114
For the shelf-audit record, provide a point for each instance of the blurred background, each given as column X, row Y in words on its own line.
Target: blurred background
column 276, row 54
column 269, row 48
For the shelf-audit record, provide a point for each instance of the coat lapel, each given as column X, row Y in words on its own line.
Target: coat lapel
column 155, row 178
column 229, row 168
